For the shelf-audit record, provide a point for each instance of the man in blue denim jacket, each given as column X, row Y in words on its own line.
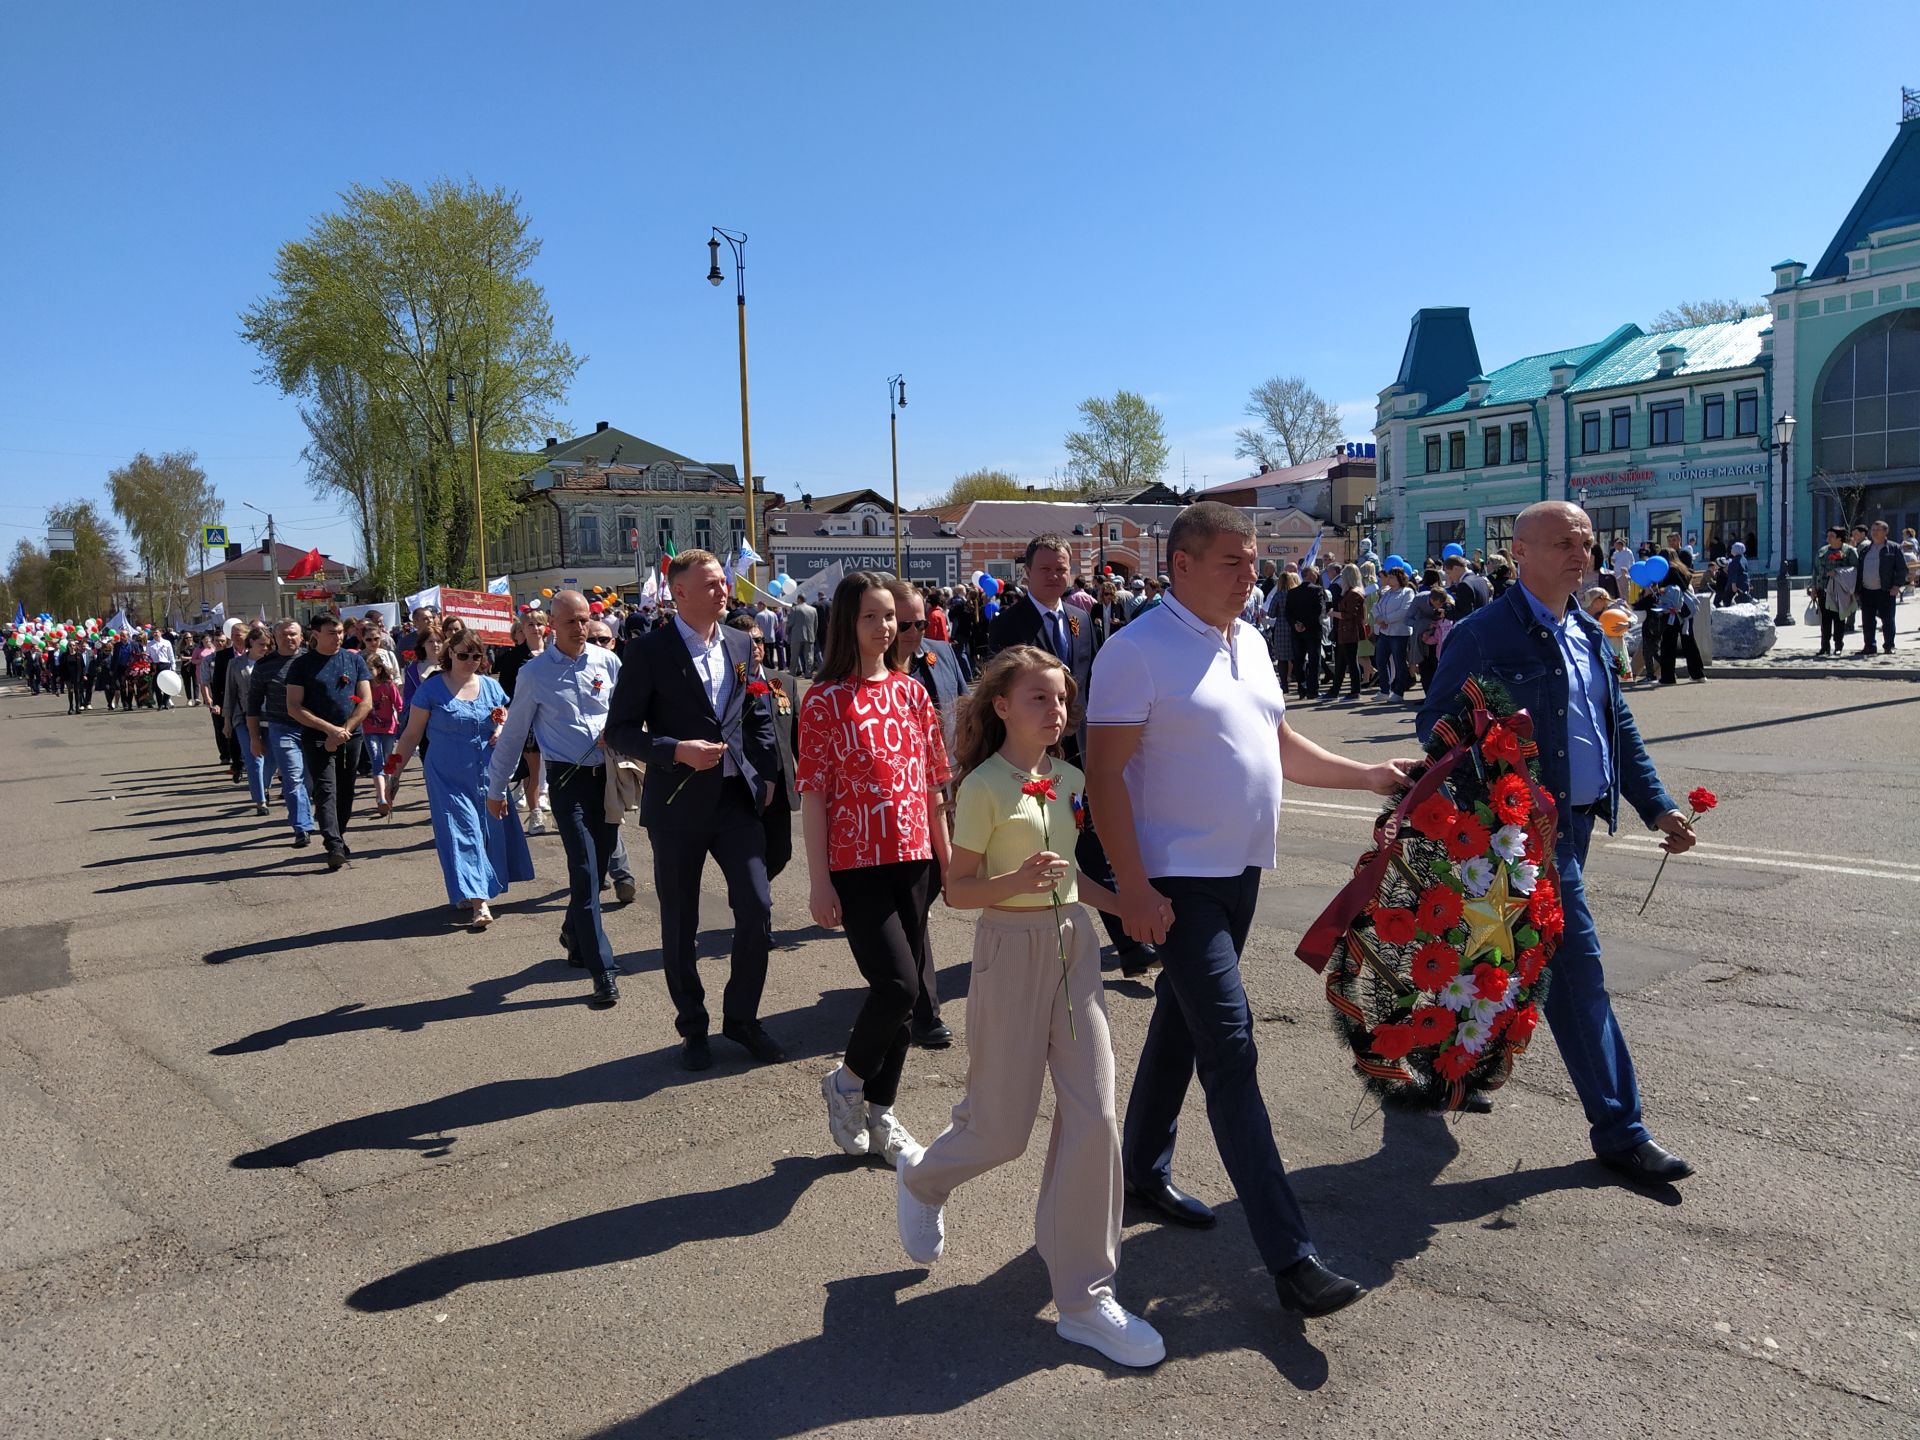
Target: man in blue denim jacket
column 1551, row 658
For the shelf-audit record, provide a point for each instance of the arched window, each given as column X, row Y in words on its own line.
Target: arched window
column 1868, row 416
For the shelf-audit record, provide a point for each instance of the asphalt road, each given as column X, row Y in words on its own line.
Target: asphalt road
column 286, row 1155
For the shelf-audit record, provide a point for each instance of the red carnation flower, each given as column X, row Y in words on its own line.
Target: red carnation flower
column 1501, row 744
column 1040, row 788
column 758, row 687
column 1396, row 927
column 1439, row 909
column 1510, row 800
column 1552, row 924
column 1431, row 1024
column 1542, row 899
column 1532, row 961
column 497, row 715
column 1393, row 1042
column 1467, row 838
column 1702, row 799
column 1521, row 1026
column 1434, row 964
column 1490, row 981
column 1453, row 1063
column 1435, row 817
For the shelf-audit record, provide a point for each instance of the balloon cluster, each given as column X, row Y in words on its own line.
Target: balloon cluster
column 987, row 585
column 1648, row 572
column 782, row 585
column 1395, row 562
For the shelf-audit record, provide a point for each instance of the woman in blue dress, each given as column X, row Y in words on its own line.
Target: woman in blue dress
column 461, row 709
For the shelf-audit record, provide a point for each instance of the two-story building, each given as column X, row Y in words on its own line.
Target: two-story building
column 854, row 530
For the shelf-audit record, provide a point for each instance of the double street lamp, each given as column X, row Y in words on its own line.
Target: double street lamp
column 896, row 402
column 737, row 243
column 1783, row 442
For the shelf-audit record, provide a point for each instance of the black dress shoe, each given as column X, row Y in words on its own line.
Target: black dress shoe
column 751, row 1037
column 695, row 1053
column 1478, row 1102
column 335, row 859
column 932, row 1037
column 301, row 840
column 1649, row 1162
column 1312, row 1289
column 1138, row 960
column 1170, row 1203
column 574, row 957
column 606, row 991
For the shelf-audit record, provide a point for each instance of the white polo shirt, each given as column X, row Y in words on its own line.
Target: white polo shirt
column 1205, row 780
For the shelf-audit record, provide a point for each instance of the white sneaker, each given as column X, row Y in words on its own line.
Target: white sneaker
column 846, row 1114
column 888, row 1138
column 535, row 825
column 923, row 1227
column 1124, row 1339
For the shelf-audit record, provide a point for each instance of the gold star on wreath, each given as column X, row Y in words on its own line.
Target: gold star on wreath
column 1490, row 919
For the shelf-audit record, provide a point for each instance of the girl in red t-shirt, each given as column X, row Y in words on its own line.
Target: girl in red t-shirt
column 871, row 770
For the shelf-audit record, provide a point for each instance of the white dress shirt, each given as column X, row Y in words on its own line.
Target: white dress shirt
column 710, row 664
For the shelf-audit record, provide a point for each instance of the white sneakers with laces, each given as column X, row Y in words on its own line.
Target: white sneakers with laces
column 888, row 1138
column 923, row 1227
column 846, row 1113
column 1123, row 1338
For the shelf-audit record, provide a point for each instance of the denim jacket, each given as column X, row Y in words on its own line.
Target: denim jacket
column 1504, row 642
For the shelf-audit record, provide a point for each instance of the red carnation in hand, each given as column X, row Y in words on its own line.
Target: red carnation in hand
column 758, row 687
column 1435, row 817
column 1431, row 1024
column 1435, row 963
column 1395, row 927
column 1043, row 789
column 1439, row 908
column 1521, row 1027
column 1466, row 838
column 497, row 715
column 1490, row 982
column 1510, row 800
column 1532, row 961
column 1501, row 744
column 1702, row 799
column 1392, row 1042
column 1453, row 1063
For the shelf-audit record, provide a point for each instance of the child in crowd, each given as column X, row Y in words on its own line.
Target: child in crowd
column 1036, row 1004
column 380, row 727
column 1616, row 620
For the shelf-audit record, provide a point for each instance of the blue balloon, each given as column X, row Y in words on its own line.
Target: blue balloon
column 1650, row 571
column 1395, row 562
column 1456, row 548
column 989, row 585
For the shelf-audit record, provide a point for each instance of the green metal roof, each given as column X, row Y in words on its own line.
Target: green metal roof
column 1725, row 345
column 1522, row 380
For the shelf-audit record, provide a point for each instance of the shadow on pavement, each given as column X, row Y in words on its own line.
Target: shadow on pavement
column 408, row 925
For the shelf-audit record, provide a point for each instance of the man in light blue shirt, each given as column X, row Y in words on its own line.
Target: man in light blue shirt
column 1587, row 759
column 561, row 697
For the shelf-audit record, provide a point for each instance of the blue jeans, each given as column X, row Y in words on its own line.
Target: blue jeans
column 1201, row 1021
column 1390, row 660
column 253, row 762
column 578, row 796
column 1581, row 1013
column 290, row 763
column 379, row 747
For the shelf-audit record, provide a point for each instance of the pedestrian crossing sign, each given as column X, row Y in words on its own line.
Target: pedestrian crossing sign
column 213, row 537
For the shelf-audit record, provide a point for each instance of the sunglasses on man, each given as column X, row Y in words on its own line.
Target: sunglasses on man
column 913, row 624
column 600, row 639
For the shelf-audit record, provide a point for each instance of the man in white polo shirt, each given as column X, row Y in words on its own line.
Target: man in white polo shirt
column 1186, row 741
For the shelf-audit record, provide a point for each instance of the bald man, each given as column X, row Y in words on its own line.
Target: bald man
column 1550, row 657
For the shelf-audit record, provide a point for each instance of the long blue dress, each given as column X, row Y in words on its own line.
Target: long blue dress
column 479, row 855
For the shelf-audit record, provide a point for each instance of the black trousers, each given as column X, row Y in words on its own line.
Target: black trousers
column 1676, row 642
column 1875, row 605
column 229, row 755
column 578, row 796
column 330, row 783
column 1306, row 659
column 1346, row 661
column 1833, row 628
column 926, row 1005
column 731, row 832
column 883, row 908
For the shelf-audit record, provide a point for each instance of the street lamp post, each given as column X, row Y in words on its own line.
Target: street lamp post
column 737, row 243
column 896, row 402
column 1783, row 442
column 1100, row 522
column 1158, row 532
column 473, row 441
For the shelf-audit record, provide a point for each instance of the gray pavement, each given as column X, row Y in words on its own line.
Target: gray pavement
column 287, row 1155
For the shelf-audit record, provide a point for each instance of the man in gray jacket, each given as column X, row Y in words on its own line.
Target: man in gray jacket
column 803, row 626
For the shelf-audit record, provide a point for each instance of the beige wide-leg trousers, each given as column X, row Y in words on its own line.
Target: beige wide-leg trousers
column 1017, row 1032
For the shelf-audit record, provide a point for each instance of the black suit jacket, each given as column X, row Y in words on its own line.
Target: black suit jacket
column 659, row 701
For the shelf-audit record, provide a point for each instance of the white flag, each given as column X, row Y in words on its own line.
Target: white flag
column 749, row 556
column 822, row 583
column 499, row 586
column 428, row 596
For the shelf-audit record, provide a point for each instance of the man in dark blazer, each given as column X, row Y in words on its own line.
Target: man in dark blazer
column 681, row 706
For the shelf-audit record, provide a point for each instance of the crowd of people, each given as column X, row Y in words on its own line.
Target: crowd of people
column 1023, row 757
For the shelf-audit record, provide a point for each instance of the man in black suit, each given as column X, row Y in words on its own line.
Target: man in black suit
column 1041, row 619
column 681, row 706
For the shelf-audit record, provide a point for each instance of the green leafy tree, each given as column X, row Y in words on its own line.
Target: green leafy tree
column 357, row 451
column 1122, row 443
column 81, row 581
column 401, row 289
column 980, row 485
column 1296, row 424
column 163, row 501
column 1706, row 312
column 28, row 581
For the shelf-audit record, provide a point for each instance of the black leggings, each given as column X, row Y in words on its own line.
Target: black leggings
column 1346, row 661
column 884, row 909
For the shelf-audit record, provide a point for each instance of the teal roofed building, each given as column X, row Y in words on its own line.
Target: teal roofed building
column 1654, row 432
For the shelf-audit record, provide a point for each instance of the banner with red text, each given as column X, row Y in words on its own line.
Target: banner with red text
column 488, row 616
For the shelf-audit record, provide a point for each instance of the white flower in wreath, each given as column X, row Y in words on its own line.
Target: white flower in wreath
column 1473, row 1034
column 1483, row 1011
column 1510, row 844
column 1525, row 876
column 1458, row 993
column 1477, row 875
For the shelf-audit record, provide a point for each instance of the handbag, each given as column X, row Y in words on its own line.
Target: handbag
column 1812, row 616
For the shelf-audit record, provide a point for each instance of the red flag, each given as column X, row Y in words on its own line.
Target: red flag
column 308, row 564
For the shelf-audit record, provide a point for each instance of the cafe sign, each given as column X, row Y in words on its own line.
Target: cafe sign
column 1640, row 477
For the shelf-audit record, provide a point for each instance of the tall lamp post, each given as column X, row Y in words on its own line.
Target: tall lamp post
column 737, row 243
column 1100, row 521
column 1369, row 513
column 473, row 440
column 1783, row 442
column 1158, row 532
column 896, row 402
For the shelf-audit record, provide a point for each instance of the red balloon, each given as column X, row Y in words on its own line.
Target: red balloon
column 596, row 607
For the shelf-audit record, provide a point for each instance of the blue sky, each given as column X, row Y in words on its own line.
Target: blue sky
column 1018, row 205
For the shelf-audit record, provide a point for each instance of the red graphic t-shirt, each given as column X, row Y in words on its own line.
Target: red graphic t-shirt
column 873, row 748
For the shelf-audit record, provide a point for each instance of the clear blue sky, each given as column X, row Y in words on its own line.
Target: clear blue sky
column 1018, row 205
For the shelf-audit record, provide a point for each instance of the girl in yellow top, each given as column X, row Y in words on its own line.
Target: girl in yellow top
column 1035, row 1004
